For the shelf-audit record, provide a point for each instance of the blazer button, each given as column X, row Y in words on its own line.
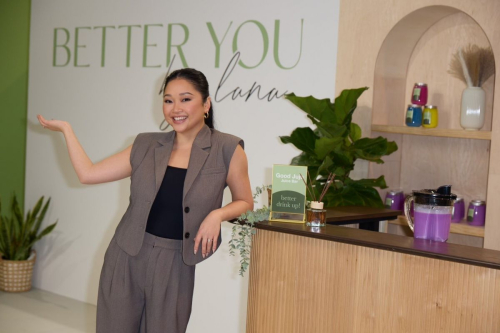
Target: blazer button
column 186, row 235
column 186, row 209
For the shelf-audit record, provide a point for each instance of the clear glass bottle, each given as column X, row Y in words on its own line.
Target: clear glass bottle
column 316, row 215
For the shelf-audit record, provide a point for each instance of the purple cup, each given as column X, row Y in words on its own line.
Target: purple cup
column 458, row 213
column 395, row 199
column 476, row 214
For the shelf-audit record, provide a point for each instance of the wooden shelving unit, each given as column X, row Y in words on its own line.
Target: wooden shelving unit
column 418, row 49
column 461, row 228
column 415, row 44
column 436, row 132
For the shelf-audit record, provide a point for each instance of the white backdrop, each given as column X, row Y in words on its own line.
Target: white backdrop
column 108, row 94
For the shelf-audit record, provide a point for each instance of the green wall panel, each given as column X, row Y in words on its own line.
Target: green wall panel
column 14, row 59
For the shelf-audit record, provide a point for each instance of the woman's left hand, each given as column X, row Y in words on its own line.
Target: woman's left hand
column 208, row 234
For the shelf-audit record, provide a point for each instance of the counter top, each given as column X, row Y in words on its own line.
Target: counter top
column 350, row 215
column 437, row 250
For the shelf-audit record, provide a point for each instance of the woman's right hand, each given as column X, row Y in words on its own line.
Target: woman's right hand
column 53, row 125
column 110, row 169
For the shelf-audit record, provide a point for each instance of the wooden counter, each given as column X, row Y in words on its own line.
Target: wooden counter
column 337, row 279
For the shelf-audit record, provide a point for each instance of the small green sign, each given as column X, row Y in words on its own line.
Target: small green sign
column 288, row 199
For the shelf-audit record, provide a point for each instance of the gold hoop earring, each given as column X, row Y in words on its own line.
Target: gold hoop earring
column 206, row 115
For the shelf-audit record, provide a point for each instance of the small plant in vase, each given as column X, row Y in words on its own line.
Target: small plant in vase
column 18, row 234
column 473, row 65
column 244, row 228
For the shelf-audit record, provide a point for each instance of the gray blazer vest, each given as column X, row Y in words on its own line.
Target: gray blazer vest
column 203, row 186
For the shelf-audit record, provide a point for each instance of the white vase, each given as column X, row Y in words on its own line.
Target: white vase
column 473, row 108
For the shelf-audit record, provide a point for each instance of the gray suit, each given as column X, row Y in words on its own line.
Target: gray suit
column 203, row 186
column 147, row 281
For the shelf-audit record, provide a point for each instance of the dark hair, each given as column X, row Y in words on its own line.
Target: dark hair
column 199, row 82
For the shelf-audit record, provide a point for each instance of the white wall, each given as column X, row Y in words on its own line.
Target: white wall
column 107, row 106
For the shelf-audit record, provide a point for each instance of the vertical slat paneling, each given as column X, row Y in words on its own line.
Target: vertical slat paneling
column 300, row 284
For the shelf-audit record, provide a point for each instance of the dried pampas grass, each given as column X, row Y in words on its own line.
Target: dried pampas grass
column 473, row 65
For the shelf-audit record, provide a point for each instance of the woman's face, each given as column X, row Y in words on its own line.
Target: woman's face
column 183, row 106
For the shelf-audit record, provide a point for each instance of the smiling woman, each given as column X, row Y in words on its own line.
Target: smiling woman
column 175, row 213
column 184, row 108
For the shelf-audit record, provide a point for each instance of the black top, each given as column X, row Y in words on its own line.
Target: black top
column 166, row 218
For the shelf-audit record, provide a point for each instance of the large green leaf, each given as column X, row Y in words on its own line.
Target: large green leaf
column 345, row 104
column 312, row 106
column 324, row 168
column 391, row 147
column 8, row 226
column 313, row 171
column 303, row 138
column 46, row 231
column 17, row 226
column 343, row 159
column 354, row 195
column 324, row 146
column 305, row 159
column 41, row 217
column 308, row 160
column 378, row 182
column 3, row 236
column 16, row 209
column 328, row 130
column 372, row 149
column 355, row 132
column 30, row 219
column 332, row 130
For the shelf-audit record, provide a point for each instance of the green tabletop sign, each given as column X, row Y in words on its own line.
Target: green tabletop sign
column 288, row 200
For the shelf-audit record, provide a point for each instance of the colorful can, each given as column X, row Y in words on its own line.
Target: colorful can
column 476, row 214
column 395, row 199
column 414, row 115
column 430, row 118
column 419, row 94
column 458, row 212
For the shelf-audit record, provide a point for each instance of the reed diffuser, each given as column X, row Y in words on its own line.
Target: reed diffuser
column 316, row 214
column 473, row 65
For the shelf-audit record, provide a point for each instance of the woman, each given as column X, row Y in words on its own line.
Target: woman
column 174, row 216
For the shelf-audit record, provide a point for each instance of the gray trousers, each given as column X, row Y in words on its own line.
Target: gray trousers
column 148, row 293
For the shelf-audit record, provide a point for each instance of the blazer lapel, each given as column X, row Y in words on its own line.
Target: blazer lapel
column 162, row 156
column 199, row 154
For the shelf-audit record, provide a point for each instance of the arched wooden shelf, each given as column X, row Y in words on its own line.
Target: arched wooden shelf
column 447, row 154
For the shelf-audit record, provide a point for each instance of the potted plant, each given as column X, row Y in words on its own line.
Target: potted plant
column 331, row 148
column 18, row 234
column 334, row 146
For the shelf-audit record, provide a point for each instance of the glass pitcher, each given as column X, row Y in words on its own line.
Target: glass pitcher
column 432, row 213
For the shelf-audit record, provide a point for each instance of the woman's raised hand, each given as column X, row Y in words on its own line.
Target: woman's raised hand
column 53, row 125
column 110, row 169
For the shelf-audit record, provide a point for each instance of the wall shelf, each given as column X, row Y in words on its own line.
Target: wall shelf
column 461, row 228
column 418, row 48
column 436, row 132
